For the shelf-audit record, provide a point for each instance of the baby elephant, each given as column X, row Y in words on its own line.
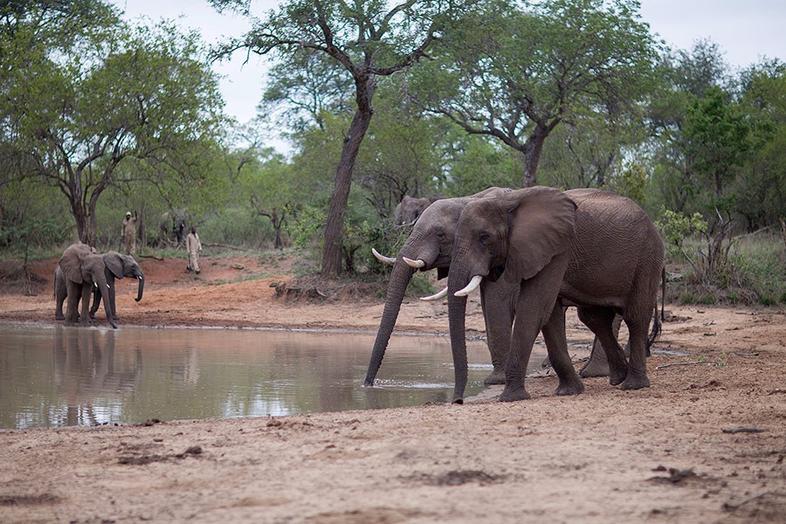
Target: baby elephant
column 80, row 270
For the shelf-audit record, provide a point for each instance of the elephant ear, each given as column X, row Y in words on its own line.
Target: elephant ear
column 114, row 263
column 71, row 261
column 542, row 221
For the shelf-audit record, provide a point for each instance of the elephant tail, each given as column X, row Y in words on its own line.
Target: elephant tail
column 657, row 319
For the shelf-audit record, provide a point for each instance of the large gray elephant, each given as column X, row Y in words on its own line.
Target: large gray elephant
column 82, row 270
column 587, row 248
column 429, row 247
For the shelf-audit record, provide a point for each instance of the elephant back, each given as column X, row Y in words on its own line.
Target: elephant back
column 72, row 260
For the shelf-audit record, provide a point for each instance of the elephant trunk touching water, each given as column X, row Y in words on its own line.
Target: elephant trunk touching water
column 428, row 247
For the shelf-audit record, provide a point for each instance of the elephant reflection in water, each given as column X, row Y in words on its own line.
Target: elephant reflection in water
column 85, row 368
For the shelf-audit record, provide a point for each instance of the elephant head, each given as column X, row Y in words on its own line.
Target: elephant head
column 428, row 247
column 118, row 266
column 409, row 210
column 515, row 234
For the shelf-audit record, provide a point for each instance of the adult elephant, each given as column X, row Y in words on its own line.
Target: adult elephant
column 82, row 270
column 173, row 226
column 429, row 247
column 587, row 248
column 409, row 210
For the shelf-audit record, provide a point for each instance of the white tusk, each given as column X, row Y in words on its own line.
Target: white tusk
column 435, row 297
column 417, row 264
column 95, row 284
column 108, row 286
column 472, row 286
column 382, row 258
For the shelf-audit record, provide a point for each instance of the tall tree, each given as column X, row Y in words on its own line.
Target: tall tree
column 79, row 113
column 369, row 39
column 516, row 74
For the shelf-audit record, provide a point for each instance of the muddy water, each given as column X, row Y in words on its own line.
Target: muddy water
column 63, row 376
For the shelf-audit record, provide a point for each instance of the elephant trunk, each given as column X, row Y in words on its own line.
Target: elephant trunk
column 141, row 287
column 399, row 279
column 457, row 309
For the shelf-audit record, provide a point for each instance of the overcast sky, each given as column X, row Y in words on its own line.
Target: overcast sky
column 746, row 30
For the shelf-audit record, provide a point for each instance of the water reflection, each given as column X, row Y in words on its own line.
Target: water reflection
column 71, row 376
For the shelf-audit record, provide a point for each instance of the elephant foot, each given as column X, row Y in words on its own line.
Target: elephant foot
column 617, row 377
column 635, row 381
column 59, row 317
column 512, row 394
column 595, row 368
column 496, row 377
column 569, row 388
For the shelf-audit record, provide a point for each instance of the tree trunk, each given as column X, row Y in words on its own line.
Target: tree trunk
column 334, row 225
column 531, row 156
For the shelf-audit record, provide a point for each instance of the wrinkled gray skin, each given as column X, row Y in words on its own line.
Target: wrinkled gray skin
column 84, row 271
column 586, row 248
column 409, row 210
column 431, row 240
column 173, row 227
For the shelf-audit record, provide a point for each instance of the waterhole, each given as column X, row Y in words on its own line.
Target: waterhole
column 65, row 376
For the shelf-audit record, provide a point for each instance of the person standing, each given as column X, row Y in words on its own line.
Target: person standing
column 129, row 234
column 194, row 246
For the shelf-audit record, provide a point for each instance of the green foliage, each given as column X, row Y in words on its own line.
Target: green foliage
column 676, row 227
column 632, row 183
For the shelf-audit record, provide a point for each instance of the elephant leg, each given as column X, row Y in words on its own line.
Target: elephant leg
column 597, row 365
column 60, row 298
column 599, row 320
column 74, row 295
column 498, row 301
column 96, row 302
column 85, row 316
column 637, row 369
column 534, row 306
column 557, row 346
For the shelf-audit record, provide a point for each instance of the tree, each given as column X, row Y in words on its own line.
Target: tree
column 139, row 93
column 718, row 138
column 515, row 75
column 369, row 40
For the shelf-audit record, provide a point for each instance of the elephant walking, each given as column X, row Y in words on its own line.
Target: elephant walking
column 81, row 271
column 587, row 248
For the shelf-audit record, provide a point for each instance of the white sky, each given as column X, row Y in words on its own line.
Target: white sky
column 746, row 31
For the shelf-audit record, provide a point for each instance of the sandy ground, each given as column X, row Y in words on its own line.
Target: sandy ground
column 706, row 443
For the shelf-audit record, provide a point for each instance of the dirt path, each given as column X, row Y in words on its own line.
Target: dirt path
column 716, row 415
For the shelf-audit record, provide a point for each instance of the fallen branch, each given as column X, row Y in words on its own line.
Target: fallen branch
column 227, row 246
column 743, row 429
column 664, row 366
column 154, row 257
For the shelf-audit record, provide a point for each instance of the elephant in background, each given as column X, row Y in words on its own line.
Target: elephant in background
column 82, row 270
column 587, row 248
column 409, row 210
column 173, row 227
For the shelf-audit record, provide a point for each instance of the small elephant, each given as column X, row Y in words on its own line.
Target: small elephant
column 409, row 210
column 587, row 248
column 83, row 269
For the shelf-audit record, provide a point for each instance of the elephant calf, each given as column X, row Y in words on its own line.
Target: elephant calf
column 81, row 269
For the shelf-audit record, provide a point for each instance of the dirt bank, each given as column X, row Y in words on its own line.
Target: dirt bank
column 706, row 443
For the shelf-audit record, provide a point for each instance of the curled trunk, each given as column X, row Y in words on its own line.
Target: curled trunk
column 399, row 279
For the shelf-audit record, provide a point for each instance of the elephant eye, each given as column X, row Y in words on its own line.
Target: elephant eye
column 484, row 238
